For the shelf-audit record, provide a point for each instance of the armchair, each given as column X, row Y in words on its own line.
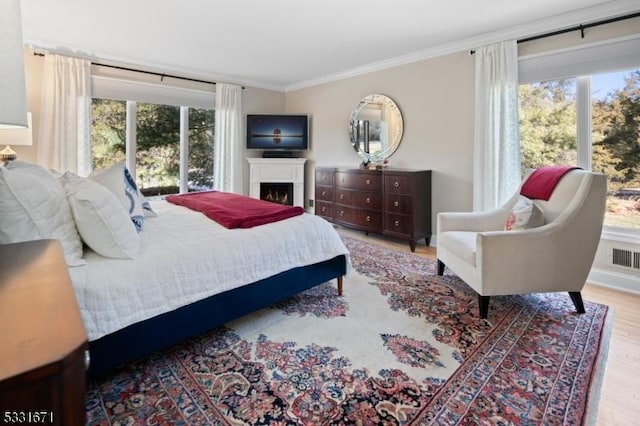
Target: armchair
column 556, row 256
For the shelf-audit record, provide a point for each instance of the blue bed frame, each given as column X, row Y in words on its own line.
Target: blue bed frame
column 146, row 337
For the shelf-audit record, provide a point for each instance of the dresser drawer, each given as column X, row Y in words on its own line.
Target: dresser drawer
column 367, row 200
column 324, row 209
column 369, row 220
column 402, row 204
column 398, row 184
column 343, row 197
column 324, row 177
column 324, row 193
column 343, row 214
column 364, row 181
column 398, row 224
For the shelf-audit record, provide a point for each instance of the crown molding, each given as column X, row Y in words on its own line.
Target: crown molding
column 583, row 16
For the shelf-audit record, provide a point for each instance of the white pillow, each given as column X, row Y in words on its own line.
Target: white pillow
column 146, row 206
column 118, row 180
column 33, row 206
column 524, row 214
column 102, row 222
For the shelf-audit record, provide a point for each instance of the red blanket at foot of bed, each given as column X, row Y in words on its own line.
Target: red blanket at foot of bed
column 233, row 210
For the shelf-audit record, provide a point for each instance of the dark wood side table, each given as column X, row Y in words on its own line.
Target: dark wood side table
column 42, row 338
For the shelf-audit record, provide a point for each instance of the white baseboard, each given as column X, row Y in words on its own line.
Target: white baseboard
column 615, row 280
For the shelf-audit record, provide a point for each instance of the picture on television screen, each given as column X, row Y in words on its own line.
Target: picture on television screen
column 278, row 132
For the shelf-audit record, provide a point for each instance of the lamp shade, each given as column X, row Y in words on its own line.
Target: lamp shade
column 13, row 95
column 17, row 136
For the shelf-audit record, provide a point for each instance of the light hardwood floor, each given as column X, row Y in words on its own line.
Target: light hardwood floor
column 619, row 402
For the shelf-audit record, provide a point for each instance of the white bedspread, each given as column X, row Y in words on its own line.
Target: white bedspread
column 185, row 257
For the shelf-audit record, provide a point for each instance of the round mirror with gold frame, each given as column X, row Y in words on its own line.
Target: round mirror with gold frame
column 375, row 128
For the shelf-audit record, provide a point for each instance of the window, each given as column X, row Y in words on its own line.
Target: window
column 615, row 138
column 548, row 130
column 158, row 148
column 201, row 132
column 593, row 122
column 164, row 133
column 606, row 93
column 108, row 125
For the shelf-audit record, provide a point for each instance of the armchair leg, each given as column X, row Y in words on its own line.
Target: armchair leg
column 483, row 304
column 440, row 267
column 576, row 298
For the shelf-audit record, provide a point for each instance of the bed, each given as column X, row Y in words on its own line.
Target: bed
column 192, row 274
column 146, row 282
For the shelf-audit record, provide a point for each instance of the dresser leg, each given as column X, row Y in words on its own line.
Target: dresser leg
column 412, row 244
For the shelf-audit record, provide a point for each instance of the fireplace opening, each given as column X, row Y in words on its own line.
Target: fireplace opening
column 280, row 193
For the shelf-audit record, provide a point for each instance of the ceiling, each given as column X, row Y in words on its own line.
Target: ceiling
column 288, row 44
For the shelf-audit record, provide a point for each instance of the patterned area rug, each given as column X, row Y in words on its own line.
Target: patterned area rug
column 403, row 346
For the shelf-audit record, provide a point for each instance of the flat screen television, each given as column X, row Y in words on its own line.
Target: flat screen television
column 283, row 132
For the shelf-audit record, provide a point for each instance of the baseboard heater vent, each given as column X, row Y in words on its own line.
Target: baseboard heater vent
column 626, row 258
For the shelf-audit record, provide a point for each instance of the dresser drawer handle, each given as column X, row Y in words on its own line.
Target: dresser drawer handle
column 396, row 204
column 324, row 209
column 342, row 196
column 341, row 212
column 367, row 200
column 368, row 218
column 396, row 223
column 324, row 193
column 368, row 181
column 396, row 184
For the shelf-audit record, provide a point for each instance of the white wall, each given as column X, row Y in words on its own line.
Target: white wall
column 436, row 98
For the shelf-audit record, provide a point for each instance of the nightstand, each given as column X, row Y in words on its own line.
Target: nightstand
column 42, row 338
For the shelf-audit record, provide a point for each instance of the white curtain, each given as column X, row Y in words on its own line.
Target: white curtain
column 227, row 168
column 496, row 168
column 64, row 138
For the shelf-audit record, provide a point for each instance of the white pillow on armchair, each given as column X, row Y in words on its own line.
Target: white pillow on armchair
column 525, row 214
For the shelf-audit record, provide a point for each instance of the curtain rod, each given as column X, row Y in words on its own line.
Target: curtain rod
column 580, row 28
column 161, row 75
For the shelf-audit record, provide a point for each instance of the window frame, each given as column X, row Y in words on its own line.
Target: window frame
column 580, row 62
column 133, row 92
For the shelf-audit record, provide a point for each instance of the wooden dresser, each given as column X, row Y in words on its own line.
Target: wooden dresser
column 42, row 338
column 394, row 202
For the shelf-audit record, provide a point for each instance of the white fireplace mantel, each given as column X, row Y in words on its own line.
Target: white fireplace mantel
column 277, row 170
